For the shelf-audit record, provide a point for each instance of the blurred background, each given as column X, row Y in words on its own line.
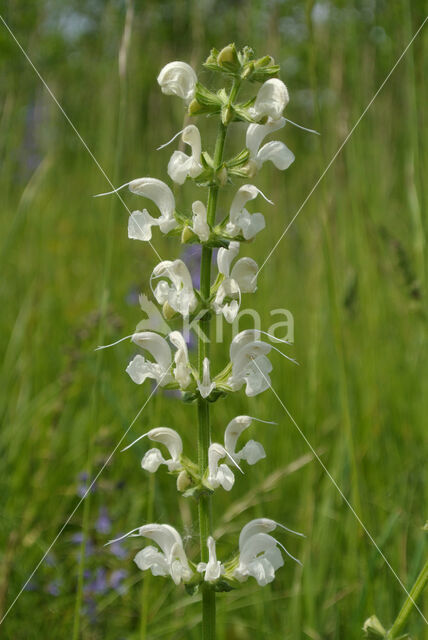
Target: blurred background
column 351, row 269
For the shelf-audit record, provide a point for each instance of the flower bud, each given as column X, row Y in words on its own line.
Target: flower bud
column 228, row 56
column 183, row 481
column 187, row 235
column 195, row 108
column 373, row 628
column 168, row 311
column 222, row 176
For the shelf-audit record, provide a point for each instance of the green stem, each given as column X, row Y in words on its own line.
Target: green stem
column 204, row 427
column 408, row 605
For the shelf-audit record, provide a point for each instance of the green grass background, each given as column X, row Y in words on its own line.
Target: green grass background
column 351, row 269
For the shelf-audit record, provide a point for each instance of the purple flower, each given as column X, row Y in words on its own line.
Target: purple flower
column 99, row 584
column 116, row 579
column 90, row 609
column 77, row 538
column 117, row 549
column 31, row 585
column 103, row 524
column 84, row 485
column 54, row 587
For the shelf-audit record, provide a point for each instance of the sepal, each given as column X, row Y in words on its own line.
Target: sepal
column 222, row 586
column 373, row 628
column 204, row 101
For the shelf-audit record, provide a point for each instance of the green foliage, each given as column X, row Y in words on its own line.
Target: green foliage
column 351, row 269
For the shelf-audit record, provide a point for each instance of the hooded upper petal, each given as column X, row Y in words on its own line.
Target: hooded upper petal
column 244, row 272
column 172, row 442
column 271, row 100
column 161, row 195
column 178, row 78
column 200, row 224
column 139, row 369
column 225, row 257
column 252, row 452
column 155, row 345
column 219, row 474
column 180, row 296
column 205, row 385
column 181, row 359
column 181, row 165
column 173, row 559
column 256, row 133
column 213, row 569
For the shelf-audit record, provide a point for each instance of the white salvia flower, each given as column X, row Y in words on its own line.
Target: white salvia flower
column 181, row 165
column 180, row 295
column 271, row 100
column 154, row 458
column 205, row 385
column 181, row 359
column 179, row 79
column 252, row 452
column 140, row 223
column 249, row 363
column 259, row 554
column 212, row 569
column 172, row 561
column 200, row 224
column 242, row 221
column 139, row 369
column 241, row 279
column 259, row 557
column 219, row 474
column 277, row 152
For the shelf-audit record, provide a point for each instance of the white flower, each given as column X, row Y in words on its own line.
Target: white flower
column 212, row 569
column 139, row 369
column 241, row 279
column 179, row 79
column 252, row 452
column 205, row 385
column 172, row 561
column 219, row 474
column 242, row 221
column 271, row 100
column 249, row 363
column 200, row 224
column 141, row 222
column 181, row 165
column 180, row 295
column 275, row 151
column 181, row 359
column 154, row 458
column 259, row 555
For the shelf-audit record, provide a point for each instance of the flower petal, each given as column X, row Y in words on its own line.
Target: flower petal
column 225, row 257
column 200, row 224
column 140, row 225
column 271, row 100
column 277, row 153
column 178, row 78
column 256, row 133
column 156, row 345
column 158, row 192
column 244, row 272
column 169, row 438
column 152, row 460
column 179, row 166
column 234, row 430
